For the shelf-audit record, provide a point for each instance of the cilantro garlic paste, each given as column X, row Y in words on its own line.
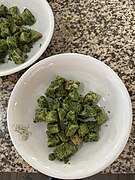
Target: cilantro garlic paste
column 16, row 40
column 72, row 119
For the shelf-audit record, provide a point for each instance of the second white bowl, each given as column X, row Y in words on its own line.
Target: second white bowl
column 95, row 76
column 44, row 24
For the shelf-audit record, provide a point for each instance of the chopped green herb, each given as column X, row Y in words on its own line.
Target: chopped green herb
column 17, row 36
column 53, row 128
column 71, row 129
column 3, row 11
column 13, row 11
column 90, row 137
column 42, row 102
column 64, row 151
column 34, row 35
column 51, row 156
column 91, row 97
column 76, row 139
column 24, row 38
column 26, row 47
column 40, row 115
column 83, row 129
column 88, row 112
column 52, row 116
column 27, row 17
column 74, row 95
column 63, row 136
column 5, row 32
column 53, row 140
column 72, row 84
column 11, row 42
column 2, row 60
column 14, row 28
column 101, row 118
column 17, row 20
column 54, row 104
column 93, row 126
column 62, row 114
column 3, row 49
column 71, row 118
column 16, row 55
column 56, row 89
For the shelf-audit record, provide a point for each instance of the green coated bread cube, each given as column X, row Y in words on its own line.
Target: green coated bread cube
column 3, row 10
column 71, row 129
column 88, row 112
column 83, row 129
column 40, row 115
column 34, row 35
column 91, row 98
column 27, row 17
column 72, row 84
column 62, row 114
column 53, row 128
column 54, row 104
column 64, row 151
column 53, row 141
column 52, row 117
column 90, row 137
column 42, row 102
column 76, row 139
column 71, row 116
column 63, row 136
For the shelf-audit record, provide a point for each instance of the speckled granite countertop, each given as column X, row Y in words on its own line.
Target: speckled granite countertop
column 104, row 29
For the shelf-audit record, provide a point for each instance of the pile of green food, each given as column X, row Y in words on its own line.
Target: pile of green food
column 71, row 117
column 15, row 39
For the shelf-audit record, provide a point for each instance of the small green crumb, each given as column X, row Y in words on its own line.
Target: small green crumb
column 51, row 157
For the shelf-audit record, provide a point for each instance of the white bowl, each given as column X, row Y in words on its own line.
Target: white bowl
column 44, row 24
column 95, row 75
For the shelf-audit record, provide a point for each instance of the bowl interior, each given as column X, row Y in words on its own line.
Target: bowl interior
column 94, row 75
column 44, row 24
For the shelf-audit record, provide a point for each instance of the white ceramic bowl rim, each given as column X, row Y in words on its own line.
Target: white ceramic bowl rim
column 117, row 150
